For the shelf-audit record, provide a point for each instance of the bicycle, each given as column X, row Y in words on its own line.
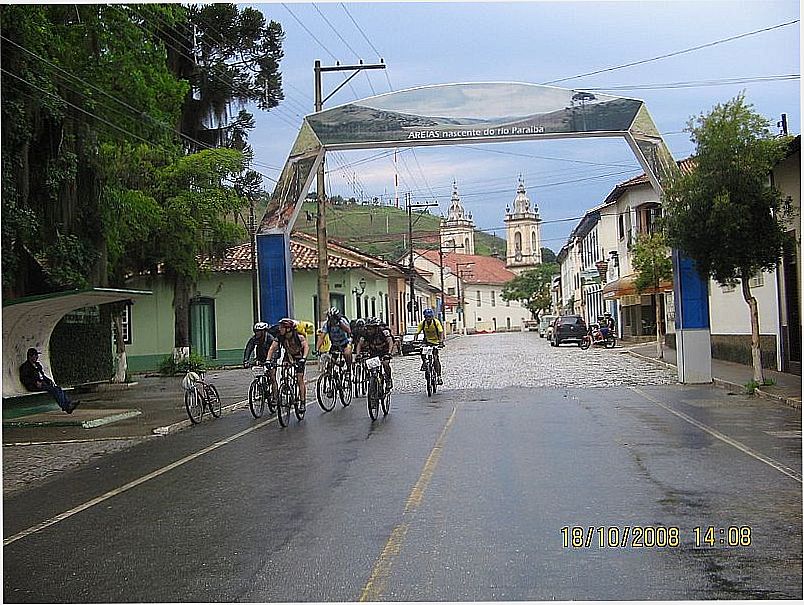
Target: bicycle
column 289, row 395
column 430, row 377
column 377, row 394
column 261, row 391
column 199, row 395
column 335, row 380
column 360, row 375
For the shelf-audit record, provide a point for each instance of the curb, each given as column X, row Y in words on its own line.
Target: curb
column 725, row 384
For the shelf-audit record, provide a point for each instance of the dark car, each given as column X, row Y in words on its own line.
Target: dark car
column 411, row 344
column 568, row 328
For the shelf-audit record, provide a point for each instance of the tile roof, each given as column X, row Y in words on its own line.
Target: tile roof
column 485, row 270
column 303, row 254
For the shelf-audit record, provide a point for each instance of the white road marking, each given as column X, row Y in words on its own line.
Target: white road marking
column 82, row 507
column 725, row 438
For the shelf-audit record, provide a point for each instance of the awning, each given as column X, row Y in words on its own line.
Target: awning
column 625, row 287
column 29, row 322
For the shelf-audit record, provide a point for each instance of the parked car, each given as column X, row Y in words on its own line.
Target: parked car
column 410, row 343
column 531, row 325
column 568, row 328
column 545, row 322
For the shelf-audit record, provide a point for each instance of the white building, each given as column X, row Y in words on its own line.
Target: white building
column 458, row 229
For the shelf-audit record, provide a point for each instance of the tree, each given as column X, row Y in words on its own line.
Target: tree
column 725, row 214
column 196, row 194
column 652, row 265
column 548, row 256
column 533, row 287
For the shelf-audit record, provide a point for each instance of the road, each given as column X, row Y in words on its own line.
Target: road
column 466, row 496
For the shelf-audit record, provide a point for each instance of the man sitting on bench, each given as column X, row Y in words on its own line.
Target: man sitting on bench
column 32, row 376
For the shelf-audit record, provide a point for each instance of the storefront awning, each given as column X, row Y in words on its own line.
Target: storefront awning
column 625, row 287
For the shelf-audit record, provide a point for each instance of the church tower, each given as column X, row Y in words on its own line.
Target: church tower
column 523, row 232
column 458, row 229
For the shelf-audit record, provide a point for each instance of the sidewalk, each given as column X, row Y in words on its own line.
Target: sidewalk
column 786, row 388
column 151, row 406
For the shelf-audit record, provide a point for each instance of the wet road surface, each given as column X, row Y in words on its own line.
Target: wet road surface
column 460, row 497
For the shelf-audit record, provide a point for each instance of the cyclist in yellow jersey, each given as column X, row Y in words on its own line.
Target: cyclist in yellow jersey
column 433, row 335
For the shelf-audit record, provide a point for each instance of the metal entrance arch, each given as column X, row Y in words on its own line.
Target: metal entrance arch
column 455, row 114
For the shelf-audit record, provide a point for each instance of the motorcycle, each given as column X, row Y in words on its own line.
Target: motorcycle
column 596, row 336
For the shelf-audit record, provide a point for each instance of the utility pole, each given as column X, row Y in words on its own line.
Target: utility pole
column 462, row 293
column 441, row 250
column 410, row 207
column 252, row 231
column 321, row 219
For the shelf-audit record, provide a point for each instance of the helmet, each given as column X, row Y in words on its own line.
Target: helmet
column 334, row 313
column 287, row 322
column 359, row 323
column 260, row 325
column 428, row 313
column 373, row 323
column 606, row 314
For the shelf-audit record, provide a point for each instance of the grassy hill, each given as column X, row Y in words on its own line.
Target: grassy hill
column 383, row 230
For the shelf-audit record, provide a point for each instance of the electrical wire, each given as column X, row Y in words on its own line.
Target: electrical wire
column 672, row 54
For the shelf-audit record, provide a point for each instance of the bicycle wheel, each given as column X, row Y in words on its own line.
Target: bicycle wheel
column 428, row 372
column 360, row 380
column 283, row 405
column 386, row 402
column 194, row 405
column 213, row 400
column 299, row 406
column 256, row 401
column 269, row 394
column 433, row 380
column 373, row 397
column 325, row 392
column 585, row 343
column 610, row 342
column 345, row 388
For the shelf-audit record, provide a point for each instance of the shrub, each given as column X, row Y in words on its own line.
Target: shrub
column 169, row 366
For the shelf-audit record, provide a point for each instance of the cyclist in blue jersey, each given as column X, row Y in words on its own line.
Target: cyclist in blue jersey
column 340, row 335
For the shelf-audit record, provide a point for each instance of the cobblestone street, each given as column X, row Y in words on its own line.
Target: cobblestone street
column 495, row 361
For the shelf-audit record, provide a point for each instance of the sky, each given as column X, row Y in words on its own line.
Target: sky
column 690, row 57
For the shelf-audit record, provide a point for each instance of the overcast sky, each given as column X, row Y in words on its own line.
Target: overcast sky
column 533, row 42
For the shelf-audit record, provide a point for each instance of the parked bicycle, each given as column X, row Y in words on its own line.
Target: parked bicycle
column 261, row 392
column 360, row 376
column 430, row 376
column 200, row 395
column 289, row 396
column 378, row 394
column 334, row 381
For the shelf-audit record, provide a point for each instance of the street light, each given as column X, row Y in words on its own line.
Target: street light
column 362, row 284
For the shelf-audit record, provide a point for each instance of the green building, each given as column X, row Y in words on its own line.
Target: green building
column 221, row 315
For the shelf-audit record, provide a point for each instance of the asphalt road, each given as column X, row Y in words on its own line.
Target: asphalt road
column 460, row 497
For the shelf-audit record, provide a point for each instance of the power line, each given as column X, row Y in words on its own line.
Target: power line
column 673, row 54
column 701, row 83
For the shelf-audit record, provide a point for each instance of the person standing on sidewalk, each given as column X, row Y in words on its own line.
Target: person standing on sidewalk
column 32, row 376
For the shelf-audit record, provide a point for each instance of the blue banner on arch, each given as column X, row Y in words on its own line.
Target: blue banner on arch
column 691, row 293
column 274, row 266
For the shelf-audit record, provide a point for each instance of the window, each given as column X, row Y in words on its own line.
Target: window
column 126, row 322
column 479, row 300
column 621, row 226
column 451, row 291
column 507, row 303
column 757, row 281
column 493, row 298
column 533, row 247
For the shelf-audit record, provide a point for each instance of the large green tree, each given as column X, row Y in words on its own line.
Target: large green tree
column 652, row 265
column 75, row 78
column 533, row 288
column 725, row 214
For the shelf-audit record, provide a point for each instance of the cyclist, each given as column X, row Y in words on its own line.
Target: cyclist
column 433, row 335
column 296, row 349
column 607, row 325
column 378, row 341
column 258, row 344
column 340, row 335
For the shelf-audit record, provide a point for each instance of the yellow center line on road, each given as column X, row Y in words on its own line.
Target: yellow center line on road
column 785, row 470
column 82, row 507
column 378, row 579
